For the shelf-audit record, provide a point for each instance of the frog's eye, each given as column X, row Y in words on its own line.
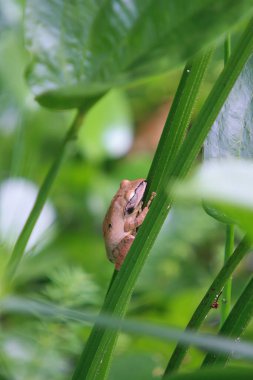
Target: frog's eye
column 131, row 204
column 129, row 210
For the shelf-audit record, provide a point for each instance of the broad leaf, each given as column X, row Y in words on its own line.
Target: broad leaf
column 227, row 186
column 81, row 49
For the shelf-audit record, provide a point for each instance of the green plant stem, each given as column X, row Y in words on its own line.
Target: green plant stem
column 95, row 359
column 227, row 49
column 47, row 310
column 176, row 124
column 229, row 245
column 25, row 234
column 234, row 325
column 206, row 303
column 178, row 119
column 226, row 294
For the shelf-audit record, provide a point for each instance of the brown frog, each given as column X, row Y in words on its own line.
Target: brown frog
column 123, row 217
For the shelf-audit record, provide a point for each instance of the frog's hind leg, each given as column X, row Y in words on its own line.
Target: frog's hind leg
column 123, row 249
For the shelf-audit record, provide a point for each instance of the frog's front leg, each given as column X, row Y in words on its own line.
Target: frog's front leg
column 133, row 224
column 122, row 250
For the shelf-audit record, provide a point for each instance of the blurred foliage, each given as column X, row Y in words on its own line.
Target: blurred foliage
column 71, row 269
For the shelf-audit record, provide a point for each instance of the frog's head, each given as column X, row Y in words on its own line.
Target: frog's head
column 134, row 192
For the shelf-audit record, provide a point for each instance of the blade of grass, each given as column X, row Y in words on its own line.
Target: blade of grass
column 234, row 325
column 229, row 245
column 25, row 234
column 205, row 305
column 96, row 356
column 226, row 294
column 46, row 310
column 177, row 122
column 178, row 119
column 95, row 359
column 227, row 49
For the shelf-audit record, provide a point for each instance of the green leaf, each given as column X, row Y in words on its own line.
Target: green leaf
column 217, row 214
column 227, row 187
column 47, row 310
column 81, row 49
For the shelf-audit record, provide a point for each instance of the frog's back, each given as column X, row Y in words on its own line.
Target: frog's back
column 113, row 228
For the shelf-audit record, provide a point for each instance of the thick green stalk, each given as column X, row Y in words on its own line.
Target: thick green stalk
column 234, row 325
column 227, row 49
column 95, row 359
column 42, row 196
column 229, row 245
column 177, row 123
column 206, row 303
column 178, row 119
column 226, row 294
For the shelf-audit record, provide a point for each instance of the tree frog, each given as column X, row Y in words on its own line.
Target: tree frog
column 123, row 218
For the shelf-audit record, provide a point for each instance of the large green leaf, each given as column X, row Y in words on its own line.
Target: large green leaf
column 82, row 48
